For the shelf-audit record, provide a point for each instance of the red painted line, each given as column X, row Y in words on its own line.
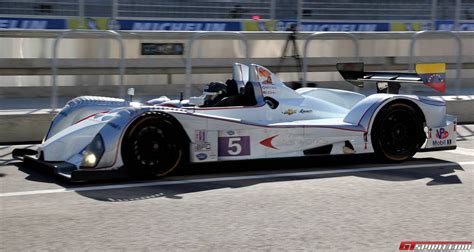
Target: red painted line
column 87, row 117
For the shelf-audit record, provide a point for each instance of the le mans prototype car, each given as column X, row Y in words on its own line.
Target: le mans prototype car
column 254, row 115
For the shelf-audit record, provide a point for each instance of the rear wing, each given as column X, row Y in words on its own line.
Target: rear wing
column 432, row 75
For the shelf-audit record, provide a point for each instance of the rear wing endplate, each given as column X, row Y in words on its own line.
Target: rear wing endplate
column 432, row 75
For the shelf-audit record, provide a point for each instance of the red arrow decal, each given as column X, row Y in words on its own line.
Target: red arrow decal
column 268, row 142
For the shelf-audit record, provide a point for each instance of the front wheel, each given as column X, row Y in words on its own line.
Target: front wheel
column 152, row 147
column 397, row 133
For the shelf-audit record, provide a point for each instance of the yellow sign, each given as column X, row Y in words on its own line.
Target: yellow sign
column 90, row 23
column 430, row 68
column 259, row 25
column 409, row 26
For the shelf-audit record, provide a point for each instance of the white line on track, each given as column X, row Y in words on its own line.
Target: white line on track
column 462, row 151
column 221, row 179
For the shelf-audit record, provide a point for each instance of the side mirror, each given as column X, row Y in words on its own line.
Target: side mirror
column 131, row 93
column 272, row 103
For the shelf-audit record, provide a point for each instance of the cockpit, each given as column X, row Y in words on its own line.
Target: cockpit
column 230, row 93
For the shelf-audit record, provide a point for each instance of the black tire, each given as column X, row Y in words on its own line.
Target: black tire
column 397, row 133
column 152, row 146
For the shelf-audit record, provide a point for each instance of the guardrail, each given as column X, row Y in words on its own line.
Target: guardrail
column 459, row 50
column 320, row 35
column 195, row 37
column 177, row 66
column 115, row 35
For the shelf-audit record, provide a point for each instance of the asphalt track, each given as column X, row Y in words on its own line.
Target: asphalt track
column 313, row 204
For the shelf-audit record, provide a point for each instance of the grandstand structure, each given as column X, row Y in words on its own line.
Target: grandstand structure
column 389, row 10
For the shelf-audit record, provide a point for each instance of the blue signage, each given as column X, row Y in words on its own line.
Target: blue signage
column 208, row 25
column 448, row 25
column 32, row 23
column 157, row 25
column 284, row 25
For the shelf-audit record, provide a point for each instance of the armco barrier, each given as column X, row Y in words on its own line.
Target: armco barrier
column 115, row 35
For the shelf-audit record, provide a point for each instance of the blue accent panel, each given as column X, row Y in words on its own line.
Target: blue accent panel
column 32, row 23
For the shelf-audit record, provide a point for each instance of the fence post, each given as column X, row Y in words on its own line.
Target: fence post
column 317, row 35
column 272, row 9
column 299, row 14
column 54, row 67
column 115, row 14
column 434, row 8
column 81, row 13
column 243, row 39
column 417, row 35
column 457, row 15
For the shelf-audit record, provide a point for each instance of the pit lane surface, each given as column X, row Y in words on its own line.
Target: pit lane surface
column 327, row 204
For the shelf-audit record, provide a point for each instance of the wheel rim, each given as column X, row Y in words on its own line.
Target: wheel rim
column 398, row 133
column 156, row 150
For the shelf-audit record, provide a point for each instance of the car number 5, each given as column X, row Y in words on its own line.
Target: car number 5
column 234, row 147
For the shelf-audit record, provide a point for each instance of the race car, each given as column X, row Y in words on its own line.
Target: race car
column 253, row 115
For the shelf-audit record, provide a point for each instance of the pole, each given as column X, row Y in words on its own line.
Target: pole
column 434, row 6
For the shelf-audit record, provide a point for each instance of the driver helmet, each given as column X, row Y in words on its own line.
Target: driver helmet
column 214, row 93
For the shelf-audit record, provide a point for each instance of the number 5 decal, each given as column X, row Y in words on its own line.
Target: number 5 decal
column 234, row 146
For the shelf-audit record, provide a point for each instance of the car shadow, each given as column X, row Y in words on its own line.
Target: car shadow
column 438, row 175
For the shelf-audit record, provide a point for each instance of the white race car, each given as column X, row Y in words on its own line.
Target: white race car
column 251, row 116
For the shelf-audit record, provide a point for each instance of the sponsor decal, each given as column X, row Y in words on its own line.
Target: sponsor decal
column 437, row 246
column 259, row 25
column 302, row 111
column 289, row 111
column 268, row 142
column 410, row 26
column 284, row 25
column 234, row 146
column 297, row 140
column 201, row 141
column 269, row 89
column 441, row 133
column 264, row 76
column 32, row 23
column 93, row 23
column 201, row 156
column 200, row 136
column 442, row 142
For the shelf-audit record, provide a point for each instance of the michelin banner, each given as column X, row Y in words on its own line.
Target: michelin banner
column 210, row 25
column 32, row 23
column 158, row 25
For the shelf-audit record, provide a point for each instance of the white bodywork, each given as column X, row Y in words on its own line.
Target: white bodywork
column 305, row 119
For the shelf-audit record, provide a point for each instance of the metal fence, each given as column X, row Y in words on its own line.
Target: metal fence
column 221, row 9
column 467, row 10
column 63, row 8
column 403, row 10
column 367, row 10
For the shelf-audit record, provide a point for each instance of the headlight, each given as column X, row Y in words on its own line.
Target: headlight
column 93, row 152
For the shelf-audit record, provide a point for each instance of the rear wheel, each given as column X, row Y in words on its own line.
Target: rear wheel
column 152, row 146
column 397, row 133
